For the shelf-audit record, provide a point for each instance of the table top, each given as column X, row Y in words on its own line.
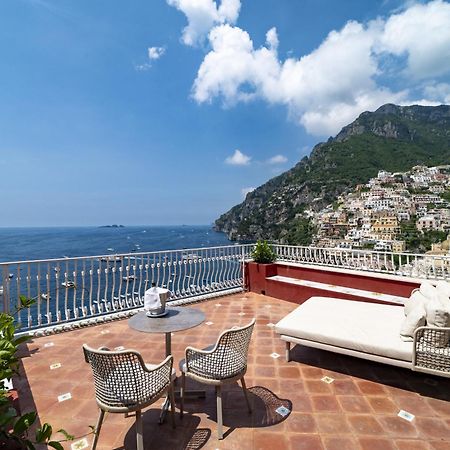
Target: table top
column 177, row 319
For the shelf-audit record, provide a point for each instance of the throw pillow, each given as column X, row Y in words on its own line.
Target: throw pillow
column 443, row 287
column 428, row 290
column 416, row 318
column 416, row 298
column 437, row 315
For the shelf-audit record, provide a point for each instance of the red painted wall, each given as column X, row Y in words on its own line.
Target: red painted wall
column 363, row 281
column 257, row 282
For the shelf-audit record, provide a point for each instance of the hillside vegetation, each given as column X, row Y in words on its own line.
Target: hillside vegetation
column 393, row 138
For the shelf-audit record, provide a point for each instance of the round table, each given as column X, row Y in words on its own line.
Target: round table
column 177, row 319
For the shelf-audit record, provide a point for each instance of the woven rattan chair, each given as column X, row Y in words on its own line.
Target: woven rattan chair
column 125, row 384
column 223, row 363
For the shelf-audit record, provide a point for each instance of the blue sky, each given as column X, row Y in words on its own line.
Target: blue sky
column 166, row 112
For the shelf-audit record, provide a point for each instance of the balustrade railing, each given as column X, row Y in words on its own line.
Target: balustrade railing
column 71, row 289
column 403, row 264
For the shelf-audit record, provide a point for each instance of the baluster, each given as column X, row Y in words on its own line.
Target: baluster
column 83, row 289
column 91, row 288
column 47, row 277
column 75, row 288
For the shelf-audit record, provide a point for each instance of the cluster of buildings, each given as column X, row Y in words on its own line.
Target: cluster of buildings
column 371, row 216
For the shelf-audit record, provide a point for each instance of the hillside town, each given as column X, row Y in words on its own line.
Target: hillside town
column 398, row 212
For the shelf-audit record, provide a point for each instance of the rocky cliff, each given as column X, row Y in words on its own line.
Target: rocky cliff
column 392, row 138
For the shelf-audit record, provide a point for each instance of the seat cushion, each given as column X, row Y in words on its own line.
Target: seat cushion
column 364, row 327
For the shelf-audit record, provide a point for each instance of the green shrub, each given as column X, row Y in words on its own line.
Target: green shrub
column 263, row 253
column 14, row 428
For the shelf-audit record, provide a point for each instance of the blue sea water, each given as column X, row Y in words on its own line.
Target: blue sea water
column 17, row 244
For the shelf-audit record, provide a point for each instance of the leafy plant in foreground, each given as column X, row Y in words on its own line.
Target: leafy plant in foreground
column 14, row 428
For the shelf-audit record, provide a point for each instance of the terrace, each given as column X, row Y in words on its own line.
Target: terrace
column 356, row 407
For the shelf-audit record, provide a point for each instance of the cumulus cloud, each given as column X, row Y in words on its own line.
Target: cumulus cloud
column 238, row 159
column 247, row 190
column 277, row 159
column 342, row 77
column 202, row 15
column 422, row 34
column 156, row 52
column 153, row 53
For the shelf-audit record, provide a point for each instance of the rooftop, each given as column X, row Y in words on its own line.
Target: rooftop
column 356, row 410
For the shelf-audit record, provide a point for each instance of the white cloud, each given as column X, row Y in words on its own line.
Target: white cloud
column 277, row 159
column 439, row 92
column 202, row 15
column 156, row 52
column 422, row 34
column 247, row 190
column 238, row 159
column 333, row 84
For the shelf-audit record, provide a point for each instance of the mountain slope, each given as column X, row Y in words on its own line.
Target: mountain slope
column 392, row 138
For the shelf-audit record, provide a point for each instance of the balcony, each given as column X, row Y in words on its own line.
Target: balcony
column 335, row 401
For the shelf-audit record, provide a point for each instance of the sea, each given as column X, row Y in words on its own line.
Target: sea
column 21, row 244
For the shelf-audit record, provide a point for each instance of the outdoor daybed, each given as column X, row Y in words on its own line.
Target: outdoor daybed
column 367, row 330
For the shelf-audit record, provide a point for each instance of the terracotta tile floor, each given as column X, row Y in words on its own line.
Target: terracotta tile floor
column 356, row 411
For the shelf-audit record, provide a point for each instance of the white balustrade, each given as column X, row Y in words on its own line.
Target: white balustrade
column 89, row 288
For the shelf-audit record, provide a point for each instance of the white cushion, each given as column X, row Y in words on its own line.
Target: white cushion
column 365, row 327
column 428, row 290
column 438, row 315
column 416, row 318
column 443, row 287
column 416, row 298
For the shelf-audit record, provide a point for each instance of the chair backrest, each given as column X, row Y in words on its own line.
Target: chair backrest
column 231, row 350
column 121, row 380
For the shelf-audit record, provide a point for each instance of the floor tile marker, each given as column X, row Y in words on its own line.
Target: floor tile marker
column 274, row 355
column 327, row 380
column 49, row 344
column 104, row 332
column 270, row 325
column 209, row 323
column 55, row 366
column 406, row 415
column 282, row 411
column 121, row 347
column 241, row 314
column 80, row 445
column 64, row 397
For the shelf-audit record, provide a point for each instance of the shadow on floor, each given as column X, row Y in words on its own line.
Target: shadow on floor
column 265, row 405
column 186, row 435
column 397, row 377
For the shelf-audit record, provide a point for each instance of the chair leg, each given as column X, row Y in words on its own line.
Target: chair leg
column 98, row 428
column 139, row 433
column 288, row 351
column 219, row 412
column 182, row 389
column 244, row 388
column 172, row 404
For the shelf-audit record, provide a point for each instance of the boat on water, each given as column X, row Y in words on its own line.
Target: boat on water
column 69, row 284
column 111, row 259
column 46, row 297
column 129, row 278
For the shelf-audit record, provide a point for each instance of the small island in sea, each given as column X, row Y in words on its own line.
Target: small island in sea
column 112, row 226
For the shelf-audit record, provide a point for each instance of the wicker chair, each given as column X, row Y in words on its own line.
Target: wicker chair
column 223, row 363
column 125, row 384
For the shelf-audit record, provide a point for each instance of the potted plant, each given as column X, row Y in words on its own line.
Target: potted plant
column 261, row 267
